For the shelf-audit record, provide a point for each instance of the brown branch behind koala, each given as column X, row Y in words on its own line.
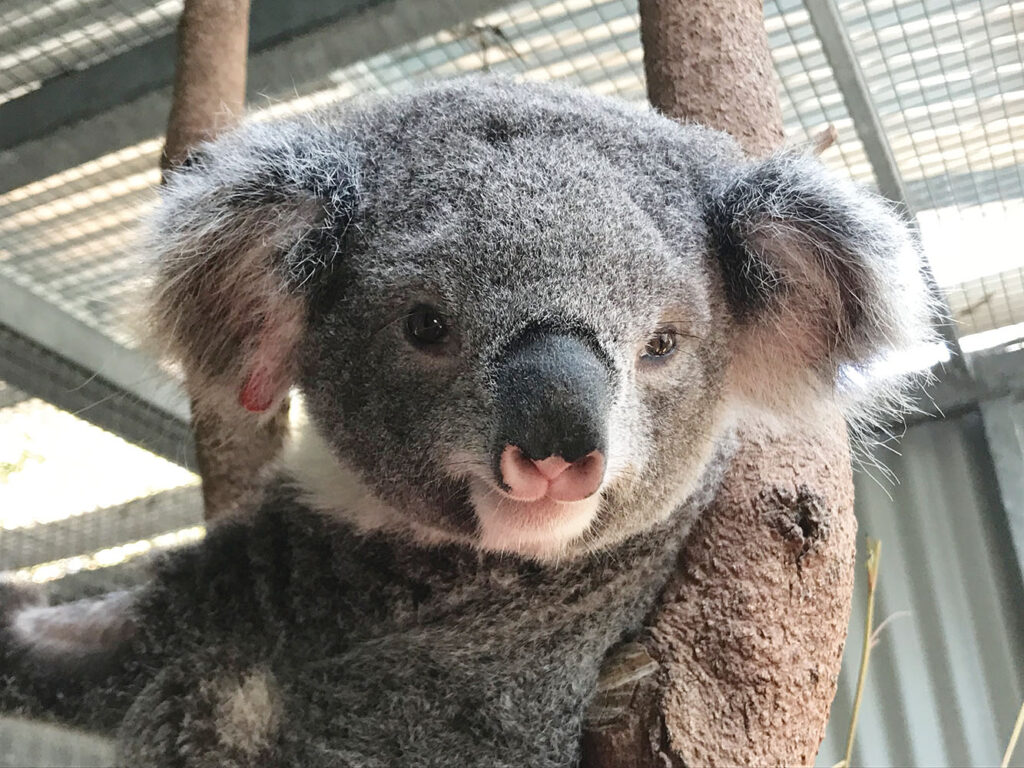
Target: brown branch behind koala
column 209, row 97
column 739, row 664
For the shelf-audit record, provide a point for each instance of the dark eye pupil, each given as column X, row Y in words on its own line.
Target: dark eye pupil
column 660, row 345
column 426, row 326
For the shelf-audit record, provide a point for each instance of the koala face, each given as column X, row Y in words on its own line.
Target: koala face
column 525, row 362
column 520, row 316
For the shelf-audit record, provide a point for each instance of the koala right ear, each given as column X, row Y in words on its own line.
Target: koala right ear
column 239, row 240
column 823, row 279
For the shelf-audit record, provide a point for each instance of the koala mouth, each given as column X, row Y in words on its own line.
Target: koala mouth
column 552, row 478
column 543, row 528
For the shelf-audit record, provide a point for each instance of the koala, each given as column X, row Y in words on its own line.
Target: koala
column 524, row 322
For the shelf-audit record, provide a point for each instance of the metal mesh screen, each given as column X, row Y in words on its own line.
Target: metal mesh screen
column 808, row 93
column 947, row 81
column 40, row 40
column 74, row 496
column 69, row 237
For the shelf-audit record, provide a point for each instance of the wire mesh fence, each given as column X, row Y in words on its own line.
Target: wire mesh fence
column 41, row 40
column 946, row 80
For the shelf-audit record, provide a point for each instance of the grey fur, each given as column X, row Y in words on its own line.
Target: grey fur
column 366, row 614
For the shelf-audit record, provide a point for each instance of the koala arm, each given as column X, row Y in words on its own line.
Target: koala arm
column 84, row 663
column 287, row 639
column 60, row 662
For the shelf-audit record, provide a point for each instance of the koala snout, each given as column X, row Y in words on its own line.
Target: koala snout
column 553, row 399
column 554, row 477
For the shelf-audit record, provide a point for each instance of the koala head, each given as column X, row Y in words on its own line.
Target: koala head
column 520, row 316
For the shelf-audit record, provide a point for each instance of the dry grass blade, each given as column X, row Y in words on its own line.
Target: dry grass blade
column 1013, row 738
column 874, row 556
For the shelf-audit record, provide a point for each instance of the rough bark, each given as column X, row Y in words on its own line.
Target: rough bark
column 743, row 653
column 708, row 61
column 209, row 96
column 209, row 75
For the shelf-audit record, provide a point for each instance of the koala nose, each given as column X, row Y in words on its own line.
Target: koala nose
column 532, row 479
column 552, row 393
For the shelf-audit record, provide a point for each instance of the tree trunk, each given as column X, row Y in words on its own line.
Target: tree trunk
column 739, row 663
column 708, row 61
column 209, row 96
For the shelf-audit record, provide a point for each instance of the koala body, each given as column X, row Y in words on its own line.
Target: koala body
column 288, row 639
column 524, row 321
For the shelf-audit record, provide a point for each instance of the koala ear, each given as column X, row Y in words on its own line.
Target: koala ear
column 240, row 240
column 821, row 277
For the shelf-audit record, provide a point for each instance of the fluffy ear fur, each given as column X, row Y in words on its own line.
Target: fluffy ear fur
column 823, row 279
column 239, row 241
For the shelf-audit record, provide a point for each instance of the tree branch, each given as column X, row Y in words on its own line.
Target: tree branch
column 209, row 97
column 744, row 649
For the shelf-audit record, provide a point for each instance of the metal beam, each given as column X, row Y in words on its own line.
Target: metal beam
column 33, row 742
column 125, row 100
column 80, row 94
column 831, row 31
column 43, row 373
column 1002, row 413
column 988, row 377
column 135, row 520
column 994, row 389
column 1004, row 430
column 10, row 395
column 74, row 96
column 49, row 354
column 829, row 27
column 44, row 324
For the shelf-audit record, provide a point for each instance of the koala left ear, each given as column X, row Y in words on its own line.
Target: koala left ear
column 240, row 240
column 818, row 273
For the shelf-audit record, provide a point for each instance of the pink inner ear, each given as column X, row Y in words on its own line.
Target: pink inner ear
column 272, row 367
column 258, row 393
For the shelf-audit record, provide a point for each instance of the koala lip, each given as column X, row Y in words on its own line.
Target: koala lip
column 540, row 528
column 525, row 479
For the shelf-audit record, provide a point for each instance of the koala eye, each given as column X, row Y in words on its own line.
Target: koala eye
column 662, row 344
column 425, row 326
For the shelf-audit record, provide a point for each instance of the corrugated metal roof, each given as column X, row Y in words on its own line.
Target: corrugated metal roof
column 947, row 676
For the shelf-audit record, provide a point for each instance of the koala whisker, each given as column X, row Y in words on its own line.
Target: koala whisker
column 678, row 332
column 390, row 323
column 631, row 475
column 462, row 470
column 465, row 463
